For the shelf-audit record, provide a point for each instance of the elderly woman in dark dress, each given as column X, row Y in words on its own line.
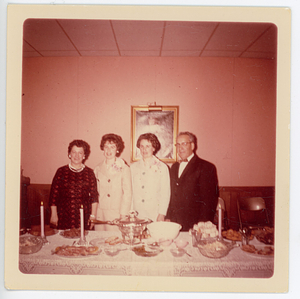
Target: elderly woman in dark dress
column 74, row 185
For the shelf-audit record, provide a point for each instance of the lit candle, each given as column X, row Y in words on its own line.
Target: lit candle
column 42, row 220
column 81, row 223
column 220, row 220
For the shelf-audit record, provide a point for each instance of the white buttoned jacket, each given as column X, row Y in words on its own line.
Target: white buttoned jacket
column 150, row 188
column 114, row 187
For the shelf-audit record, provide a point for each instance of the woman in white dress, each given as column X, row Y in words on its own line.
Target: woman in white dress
column 150, row 181
column 114, row 183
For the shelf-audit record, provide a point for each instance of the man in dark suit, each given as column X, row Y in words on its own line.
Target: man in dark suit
column 194, row 186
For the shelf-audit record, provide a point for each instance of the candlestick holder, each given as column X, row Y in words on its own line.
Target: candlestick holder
column 220, row 238
column 82, row 242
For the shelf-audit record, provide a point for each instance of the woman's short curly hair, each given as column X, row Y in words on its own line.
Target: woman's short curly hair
column 80, row 143
column 113, row 138
column 151, row 138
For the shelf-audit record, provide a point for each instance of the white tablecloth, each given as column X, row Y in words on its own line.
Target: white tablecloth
column 236, row 264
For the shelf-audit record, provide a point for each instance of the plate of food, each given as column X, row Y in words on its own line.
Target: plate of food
column 266, row 251
column 72, row 233
column 146, row 251
column 266, row 235
column 73, row 251
column 234, row 235
column 36, row 230
column 113, row 240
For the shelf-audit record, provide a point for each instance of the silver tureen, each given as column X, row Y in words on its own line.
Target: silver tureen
column 131, row 227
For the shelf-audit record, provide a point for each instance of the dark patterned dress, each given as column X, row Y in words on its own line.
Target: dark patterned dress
column 70, row 190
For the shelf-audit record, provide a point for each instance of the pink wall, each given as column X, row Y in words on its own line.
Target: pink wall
column 229, row 103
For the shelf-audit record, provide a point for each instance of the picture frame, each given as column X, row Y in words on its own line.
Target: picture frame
column 159, row 120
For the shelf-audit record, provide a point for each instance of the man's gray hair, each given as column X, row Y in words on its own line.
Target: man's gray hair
column 192, row 137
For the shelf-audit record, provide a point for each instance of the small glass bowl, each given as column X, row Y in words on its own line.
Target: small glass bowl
column 112, row 250
column 214, row 248
column 177, row 252
column 30, row 244
column 181, row 243
column 165, row 242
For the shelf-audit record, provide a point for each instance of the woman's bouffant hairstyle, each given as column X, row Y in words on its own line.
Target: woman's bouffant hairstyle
column 113, row 138
column 151, row 138
column 83, row 144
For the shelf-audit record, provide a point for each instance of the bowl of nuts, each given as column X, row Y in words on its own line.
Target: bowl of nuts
column 30, row 244
column 214, row 247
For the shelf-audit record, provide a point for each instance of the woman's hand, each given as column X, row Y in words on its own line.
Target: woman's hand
column 92, row 217
column 160, row 217
column 54, row 217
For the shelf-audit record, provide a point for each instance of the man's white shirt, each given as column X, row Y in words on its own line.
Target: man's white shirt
column 184, row 164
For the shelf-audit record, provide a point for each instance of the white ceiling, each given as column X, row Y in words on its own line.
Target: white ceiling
column 51, row 37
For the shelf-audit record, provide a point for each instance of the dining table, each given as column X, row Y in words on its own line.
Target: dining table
column 237, row 263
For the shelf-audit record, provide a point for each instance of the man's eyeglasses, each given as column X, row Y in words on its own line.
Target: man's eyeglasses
column 182, row 144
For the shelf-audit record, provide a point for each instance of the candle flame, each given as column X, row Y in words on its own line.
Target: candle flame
column 42, row 203
column 81, row 206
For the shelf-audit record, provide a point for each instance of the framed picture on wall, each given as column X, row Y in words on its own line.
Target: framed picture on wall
column 159, row 120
